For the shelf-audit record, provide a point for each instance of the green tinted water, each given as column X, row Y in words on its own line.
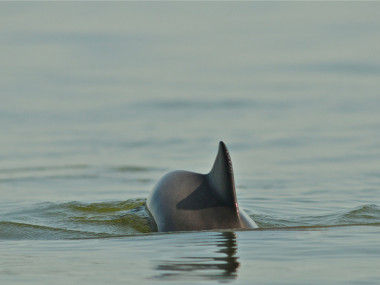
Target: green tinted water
column 75, row 220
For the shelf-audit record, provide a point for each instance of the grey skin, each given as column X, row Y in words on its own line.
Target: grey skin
column 188, row 201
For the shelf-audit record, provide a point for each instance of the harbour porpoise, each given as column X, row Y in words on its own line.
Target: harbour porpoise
column 188, row 201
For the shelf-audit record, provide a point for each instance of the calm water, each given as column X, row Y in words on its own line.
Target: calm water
column 99, row 100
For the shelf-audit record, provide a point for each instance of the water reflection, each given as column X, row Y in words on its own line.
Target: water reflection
column 221, row 263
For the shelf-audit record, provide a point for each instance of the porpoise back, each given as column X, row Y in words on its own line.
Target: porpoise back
column 188, row 201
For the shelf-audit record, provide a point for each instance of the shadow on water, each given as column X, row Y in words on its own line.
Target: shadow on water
column 222, row 264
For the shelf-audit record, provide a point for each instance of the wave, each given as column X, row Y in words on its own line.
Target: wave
column 362, row 215
column 77, row 220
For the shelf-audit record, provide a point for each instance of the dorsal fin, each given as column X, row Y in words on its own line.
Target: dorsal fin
column 221, row 177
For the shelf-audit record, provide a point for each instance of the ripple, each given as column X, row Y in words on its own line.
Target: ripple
column 76, row 220
column 42, row 168
column 362, row 215
column 19, row 231
column 132, row 168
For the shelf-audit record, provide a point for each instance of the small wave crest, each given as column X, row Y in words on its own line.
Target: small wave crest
column 362, row 215
column 73, row 220
column 77, row 220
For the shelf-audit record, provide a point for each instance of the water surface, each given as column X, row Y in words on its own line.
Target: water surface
column 99, row 100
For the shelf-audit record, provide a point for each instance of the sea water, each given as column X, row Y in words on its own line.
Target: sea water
column 99, row 100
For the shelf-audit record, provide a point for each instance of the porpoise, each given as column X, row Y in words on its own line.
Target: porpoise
column 189, row 201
